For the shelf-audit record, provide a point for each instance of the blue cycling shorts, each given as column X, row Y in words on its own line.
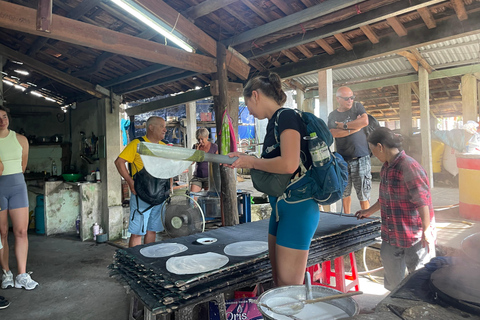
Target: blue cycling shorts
column 296, row 224
column 13, row 192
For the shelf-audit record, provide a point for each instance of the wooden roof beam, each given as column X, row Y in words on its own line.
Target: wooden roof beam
column 290, row 55
column 257, row 65
column 410, row 57
column 291, row 20
column 397, row 26
column 370, row 17
column 283, row 6
column 325, row 46
column 427, row 17
column 446, row 29
column 206, row 7
column 421, row 60
column 22, row 19
column 459, row 8
column 344, row 41
column 197, row 36
column 304, row 51
column 257, row 11
column 62, row 77
column 371, row 35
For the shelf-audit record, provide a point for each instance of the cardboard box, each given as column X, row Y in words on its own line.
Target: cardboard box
column 237, row 309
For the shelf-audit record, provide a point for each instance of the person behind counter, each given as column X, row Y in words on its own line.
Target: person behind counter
column 14, row 202
column 405, row 204
column 290, row 235
column 200, row 177
column 149, row 222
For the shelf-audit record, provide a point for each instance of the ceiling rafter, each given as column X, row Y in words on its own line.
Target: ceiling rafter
column 427, row 17
column 367, row 18
column 22, row 19
column 290, row 55
column 206, row 7
column 446, row 29
column 344, row 41
column 370, row 33
column 459, row 8
column 257, row 11
column 325, row 46
column 283, row 6
column 291, row 20
column 397, row 26
column 197, row 36
column 304, row 51
column 62, row 77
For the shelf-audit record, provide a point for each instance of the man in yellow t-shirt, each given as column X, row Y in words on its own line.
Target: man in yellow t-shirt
column 148, row 223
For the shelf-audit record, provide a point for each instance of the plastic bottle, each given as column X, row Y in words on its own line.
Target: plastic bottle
column 96, row 230
column 97, row 175
column 318, row 150
column 125, row 229
column 77, row 224
column 54, row 168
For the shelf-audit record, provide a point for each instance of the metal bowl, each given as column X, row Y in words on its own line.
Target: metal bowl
column 72, row 177
column 288, row 294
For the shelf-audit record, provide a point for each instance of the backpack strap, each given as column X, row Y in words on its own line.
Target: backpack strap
column 129, row 164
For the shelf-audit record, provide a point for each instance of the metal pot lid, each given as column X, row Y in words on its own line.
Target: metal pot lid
column 460, row 281
column 471, row 247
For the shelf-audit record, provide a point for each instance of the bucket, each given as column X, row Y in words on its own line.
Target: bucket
column 331, row 309
column 40, row 215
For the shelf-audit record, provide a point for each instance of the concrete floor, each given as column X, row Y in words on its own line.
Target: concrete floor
column 74, row 281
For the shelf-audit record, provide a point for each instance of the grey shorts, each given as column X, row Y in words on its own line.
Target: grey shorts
column 200, row 182
column 13, row 192
column 359, row 174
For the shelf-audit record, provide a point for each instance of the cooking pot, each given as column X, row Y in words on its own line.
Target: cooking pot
column 332, row 309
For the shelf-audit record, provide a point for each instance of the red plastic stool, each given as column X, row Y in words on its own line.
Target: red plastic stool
column 339, row 274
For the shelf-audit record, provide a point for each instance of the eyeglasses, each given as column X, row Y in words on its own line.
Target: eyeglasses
column 348, row 98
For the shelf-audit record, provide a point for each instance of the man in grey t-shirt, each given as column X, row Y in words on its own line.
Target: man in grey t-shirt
column 346, row 125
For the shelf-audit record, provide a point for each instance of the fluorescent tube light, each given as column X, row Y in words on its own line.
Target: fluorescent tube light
column 23, row 72
column 19, row 87
column 153, row 22
column 36, row 93
column 8, row 82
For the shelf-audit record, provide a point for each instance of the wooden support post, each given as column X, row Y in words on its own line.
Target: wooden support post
column 299, row 100
column 44, row 15
column 405, row 107
column 325, row 98
column 325, row 93
column 191, row 125
column 228, row 195
column 424, row 93
column 469, row 98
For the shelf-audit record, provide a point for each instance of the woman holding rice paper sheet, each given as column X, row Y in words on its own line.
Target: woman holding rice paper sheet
column 291, row 226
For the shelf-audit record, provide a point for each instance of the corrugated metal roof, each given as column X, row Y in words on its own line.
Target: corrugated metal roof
column 451, row 53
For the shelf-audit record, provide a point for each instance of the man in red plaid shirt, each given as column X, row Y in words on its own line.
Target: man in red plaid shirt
column 405, row 204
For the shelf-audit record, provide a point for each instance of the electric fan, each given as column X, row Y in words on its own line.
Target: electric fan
column 182, row 216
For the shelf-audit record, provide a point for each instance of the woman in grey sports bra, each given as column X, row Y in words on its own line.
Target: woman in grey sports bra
column 14, row 203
